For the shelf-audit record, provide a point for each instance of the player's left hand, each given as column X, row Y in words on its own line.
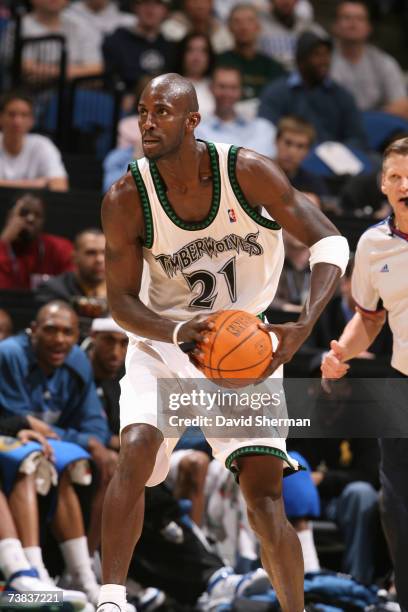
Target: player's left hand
column 291, row 336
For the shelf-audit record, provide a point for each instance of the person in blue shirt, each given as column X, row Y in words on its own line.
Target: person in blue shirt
column 310, row 93
column 44, row 375
column 47, row 379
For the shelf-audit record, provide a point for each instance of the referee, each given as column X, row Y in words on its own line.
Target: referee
column 380, row 285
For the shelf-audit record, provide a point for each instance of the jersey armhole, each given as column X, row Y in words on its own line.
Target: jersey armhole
column 144, row 200
column 251, row 212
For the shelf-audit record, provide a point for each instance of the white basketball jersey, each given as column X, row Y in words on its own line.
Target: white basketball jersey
column 231, row 260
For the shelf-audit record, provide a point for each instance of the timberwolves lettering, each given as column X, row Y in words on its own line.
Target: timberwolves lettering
column 195, row 250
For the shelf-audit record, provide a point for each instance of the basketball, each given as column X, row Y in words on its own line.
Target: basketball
column 238, row 351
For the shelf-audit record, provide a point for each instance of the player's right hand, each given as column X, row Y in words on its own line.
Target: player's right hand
column 193, row 334
column 333, row 364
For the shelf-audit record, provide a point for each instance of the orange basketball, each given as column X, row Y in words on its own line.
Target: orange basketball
column 238, row 351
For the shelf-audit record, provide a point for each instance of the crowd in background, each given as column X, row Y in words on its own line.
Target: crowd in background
column 304, row 87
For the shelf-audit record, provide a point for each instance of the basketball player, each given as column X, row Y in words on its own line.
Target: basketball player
column 181, row 204
column 380, row 285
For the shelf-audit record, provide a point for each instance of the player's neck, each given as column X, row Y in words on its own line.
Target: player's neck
column 182, row 168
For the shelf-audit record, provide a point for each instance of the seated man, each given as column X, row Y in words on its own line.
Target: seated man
column 198, row 16
column 84, row 287
column 309, row 93
column 372, row 76
column 281, row 29
column 27, row 160
column 41, row 62
column 26, row 253
column 294, row 140
column 21, row 561
column 257, row 69
column 140, row 51
column 45, row 377
column 226, row 125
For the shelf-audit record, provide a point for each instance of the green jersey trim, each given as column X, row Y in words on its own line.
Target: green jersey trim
column 251, row 212
column 216, row 194
column 144, row 200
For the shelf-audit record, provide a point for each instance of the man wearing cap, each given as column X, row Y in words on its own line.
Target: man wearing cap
column 310, row 94
column 106, row 352
column 140, row 51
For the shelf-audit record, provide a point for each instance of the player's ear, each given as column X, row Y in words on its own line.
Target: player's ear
column 193, row 120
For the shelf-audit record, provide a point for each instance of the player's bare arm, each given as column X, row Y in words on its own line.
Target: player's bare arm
column 123, row 225
column 358, row 335
column 264, row 184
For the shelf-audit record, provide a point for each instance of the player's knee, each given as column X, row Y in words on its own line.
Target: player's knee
column 138, row 450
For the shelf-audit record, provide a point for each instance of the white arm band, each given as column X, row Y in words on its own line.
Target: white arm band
column 332, row 250
column 176, row 331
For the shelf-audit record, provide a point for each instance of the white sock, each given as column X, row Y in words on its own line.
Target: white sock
column 77, row 560
column 310, row 557
column 12, row 557
column 34, row 555
column 115, row 593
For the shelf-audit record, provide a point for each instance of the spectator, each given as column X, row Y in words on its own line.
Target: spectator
column 116, row 163
column 295, row 278
column 107, row 353
column 133, row 53
column 6, row 325
column 362, row 196
column 346, row 474
column 281, row 29
column 83, row 287
column 21, row 561
column 44, row 376
column 310, row 93
column 294, row 140
column 373, row 77
column 196, row 63
column 102, row 16
column 197, row 16
column 223, row 8
column 226, row 125
column 25, row 251
column 27, row 160
column 48, row 17
column 257, row 69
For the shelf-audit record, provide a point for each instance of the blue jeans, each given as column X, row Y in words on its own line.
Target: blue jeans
column 356, row 513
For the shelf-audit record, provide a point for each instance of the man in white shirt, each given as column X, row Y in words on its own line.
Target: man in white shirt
column 380, row 287
column 48, row 17
column 373, row 77
column 27, row 160
column 226, row 125
column 102, row 16
column 281, row 29
column 197, row 16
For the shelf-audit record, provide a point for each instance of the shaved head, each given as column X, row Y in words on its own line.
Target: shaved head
column 177, row 88
column 168, row 115
column 54, row 307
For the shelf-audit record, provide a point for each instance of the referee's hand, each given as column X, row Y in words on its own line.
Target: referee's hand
column 333, row 365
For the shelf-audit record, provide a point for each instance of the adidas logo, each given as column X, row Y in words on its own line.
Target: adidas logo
column 385, row 268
